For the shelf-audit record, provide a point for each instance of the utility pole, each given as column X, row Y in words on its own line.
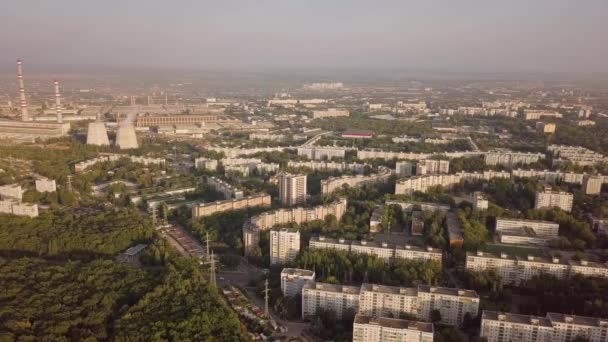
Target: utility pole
column 154, row 222
column 207, row 243
column 166, row 221
column 69, row 184
column 212, row 279
column 266, row 290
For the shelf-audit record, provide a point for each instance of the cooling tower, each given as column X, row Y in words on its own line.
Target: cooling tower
column 97, row 134
column 125, row 135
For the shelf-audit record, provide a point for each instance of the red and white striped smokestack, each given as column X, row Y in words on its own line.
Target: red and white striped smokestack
column 24, row 114
column 58, row 103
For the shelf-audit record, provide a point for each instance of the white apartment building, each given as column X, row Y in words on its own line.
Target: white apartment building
column 319, row 153
column 385, row 251
column 380, row 329
column 269, row 219
column 515, row 270
column 423, row 183
column 432, row 166
column 284, row 245
column 380, row 300
column 338, row 298
column 509, row 158
column 536, row 114
column 555, row 327
column 331, row 184
column 388, row 301
column 46, row 185
column 553, row 199
column 292, row 189
column 227, row 190
column 452, row 304
column 592, row 185
column 330, row 113
column 267, row 136
column 324, row 165
column 523, row 236
column 480, row 201
column 404, row 168
column 15, row 207
column 11, row 191
column 541, row 228
column 25, row 209
column 576, row 154
column 294, row 279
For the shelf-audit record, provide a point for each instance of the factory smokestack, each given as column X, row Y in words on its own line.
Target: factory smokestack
column 24, row 114
column 58, row 103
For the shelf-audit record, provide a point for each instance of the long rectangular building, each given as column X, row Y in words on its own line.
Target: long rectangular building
column 555, row 327
column 425, row 182
column 382, row 301
column 514, row 270
column 380, row 329
column 383, row 250
column 210, row 208
column 331, row 184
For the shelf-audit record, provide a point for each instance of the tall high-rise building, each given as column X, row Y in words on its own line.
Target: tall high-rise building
column 292, row 189
column 284, row 245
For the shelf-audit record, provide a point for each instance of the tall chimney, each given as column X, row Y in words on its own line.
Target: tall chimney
column 58, row 103
column 24, row 114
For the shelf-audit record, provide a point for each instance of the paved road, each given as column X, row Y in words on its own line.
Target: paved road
column 244, row 277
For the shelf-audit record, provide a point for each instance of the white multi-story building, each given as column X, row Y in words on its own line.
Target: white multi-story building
column 25, row 209
column 46, row 185
column 319, row 153
column 284, row 245
column 509, row 158
column 227, row 190
column 555, row 327
column 553, row 199
column 11, row 191
column 592, row 185
column 299, row 215
column 205, row 164
column 292, row 189
column 380, row 329
column 536, row 114
column 480, row 201
column 15, row 207
column 267, row 136
column 325, row 165
column 338, row 298
column 545, row 229
column 515, row 270
column 330, row 113
column 576, row 154
column 385, row 251
column 432, row 166
column 294, row 279
column 331, row 184
column 381, row 301
column 404, row 168
column 423, row 183
column 452, row 304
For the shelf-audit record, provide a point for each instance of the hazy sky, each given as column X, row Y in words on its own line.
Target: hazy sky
column 457, row 35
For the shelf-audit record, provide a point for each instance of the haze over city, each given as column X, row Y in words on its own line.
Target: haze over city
column 475, row 36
